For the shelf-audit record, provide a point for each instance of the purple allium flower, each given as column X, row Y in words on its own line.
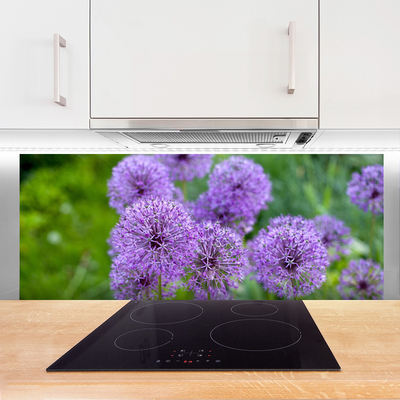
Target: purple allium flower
column 177, row 197
column 244, row 184
column 334, row 235
column 363, row 279
column 219, row 262
column 290, row 258
column 366, row 189
column 186, row 167
column 292, row 222
column 136, row 177
column 155, row 236
column 203, row 211
column 127, row 284
column 238, row 190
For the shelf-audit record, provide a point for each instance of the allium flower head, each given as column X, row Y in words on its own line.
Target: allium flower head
column 155, row 237
column 186, row 167
column 127, row 284
column 282, row 220
column 366, row 189
column 136, row 177
column 219, row 262
column 291, row 222
column 238, row 190
column 203, row 210
column 363, row 279
column 290, row 258
column 334, row 235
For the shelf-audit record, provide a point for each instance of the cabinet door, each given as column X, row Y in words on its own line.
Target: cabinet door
column 202, row 58
column 27, row 63
column 360, row 64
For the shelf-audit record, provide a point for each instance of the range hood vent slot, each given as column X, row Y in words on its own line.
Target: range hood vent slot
column 208, row 136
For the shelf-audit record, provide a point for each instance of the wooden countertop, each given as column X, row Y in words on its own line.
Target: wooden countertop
column 364, row 336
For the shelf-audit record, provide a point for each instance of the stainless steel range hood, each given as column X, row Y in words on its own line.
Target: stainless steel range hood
column 178, row 133
column 210, row 139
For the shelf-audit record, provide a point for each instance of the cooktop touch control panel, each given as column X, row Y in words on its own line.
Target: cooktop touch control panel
column 183, row 356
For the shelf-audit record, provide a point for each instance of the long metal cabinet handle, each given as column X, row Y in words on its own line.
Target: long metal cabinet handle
column 58, row 42
column 292, row 43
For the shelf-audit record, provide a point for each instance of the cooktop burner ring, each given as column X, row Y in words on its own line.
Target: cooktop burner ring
column 168, row 313
column 237, row 336
column 143, row 339
column 254, row 309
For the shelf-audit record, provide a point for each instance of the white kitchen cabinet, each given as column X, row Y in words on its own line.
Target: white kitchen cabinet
column 203, row 58
column 359, row 64
column 27, row 64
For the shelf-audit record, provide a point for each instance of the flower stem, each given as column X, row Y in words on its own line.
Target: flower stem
column 159, row 288
column 208, row 295
column 372, row 235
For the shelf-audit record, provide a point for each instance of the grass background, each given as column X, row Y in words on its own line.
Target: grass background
column 65, row 218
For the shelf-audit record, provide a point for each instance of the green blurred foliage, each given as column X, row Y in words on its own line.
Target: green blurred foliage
column 65, row 219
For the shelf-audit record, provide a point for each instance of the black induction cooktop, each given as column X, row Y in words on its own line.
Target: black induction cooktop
column 203, row 335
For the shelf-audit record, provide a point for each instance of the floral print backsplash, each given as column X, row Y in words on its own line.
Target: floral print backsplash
column 202, row 226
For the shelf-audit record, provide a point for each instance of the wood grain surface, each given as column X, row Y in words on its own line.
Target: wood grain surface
column 364, row 336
